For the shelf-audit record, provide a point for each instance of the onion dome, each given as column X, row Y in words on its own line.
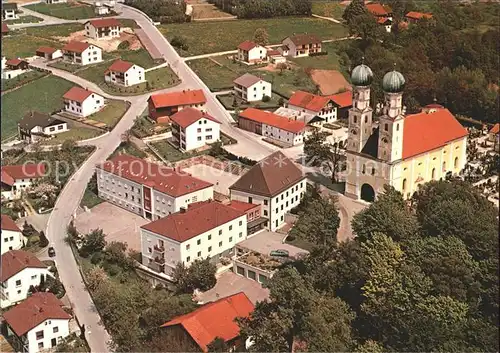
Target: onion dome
column 362, row 75
column 393, row 82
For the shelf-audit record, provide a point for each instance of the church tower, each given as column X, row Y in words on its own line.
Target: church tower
column 391, row 123
column 361, row 114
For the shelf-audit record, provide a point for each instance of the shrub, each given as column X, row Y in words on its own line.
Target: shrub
column 124, row 45
column 179, row 42
column 266, row 98
column 96, row 258
column 43, row 240
column 319, row 53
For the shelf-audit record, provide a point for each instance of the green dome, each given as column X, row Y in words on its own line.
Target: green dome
column 362, row 75
column 393, row 82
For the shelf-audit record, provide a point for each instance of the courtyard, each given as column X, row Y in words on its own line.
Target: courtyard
column 222, row 180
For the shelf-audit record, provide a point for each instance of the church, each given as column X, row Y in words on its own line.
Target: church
column 404, row 151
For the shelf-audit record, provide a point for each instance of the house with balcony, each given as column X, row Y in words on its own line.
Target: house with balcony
column 9, row 11
column 125, row 73
column 103, row 28
column 36, row 126
column 82, row 102
column 300, row 45
column 161, row 106
column 11, row 236
column 251, row 53
column 81, row 53
column 150, row 190
column 251, row 88
column 255, row 221
column 193, row 129
column 16, row 179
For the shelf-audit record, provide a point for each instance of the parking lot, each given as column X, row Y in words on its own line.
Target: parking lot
column 264, row 242
column 221, row 180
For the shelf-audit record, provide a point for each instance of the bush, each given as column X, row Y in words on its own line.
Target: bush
column 96, row 258
column 124, row 45
column 43, row 240
column 179, row 42
column 319, row 53
column 266, row 98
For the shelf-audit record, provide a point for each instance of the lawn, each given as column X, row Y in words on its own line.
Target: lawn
column 328, row 9
column 322, row 62
column 75, row 133
column 51, row 31
column 172, row 154
column 211, row 37
column 128, row 148
column 24, row 19
column 22, row 45
column 111, row 113
column 68, row 11
column 228, row 102
column 139, row 57
column 22, row 79
column 43, row 95
column 90, row 199
column 62, row 65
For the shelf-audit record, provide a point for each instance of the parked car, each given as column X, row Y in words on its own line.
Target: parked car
column 52, row 251
column 279, row 252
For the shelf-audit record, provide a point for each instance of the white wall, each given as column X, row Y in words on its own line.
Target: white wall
column 93, row 32
column 48, row 327
column 257, row 91
column 194, row 138
column 10, row 240
column 133, row 76
column 328, row 113
column 91, row 105
column 282, row 135
column 19, row 186
column 91, row 55
column 53, row 130
column 10, row 74
column 13, row 293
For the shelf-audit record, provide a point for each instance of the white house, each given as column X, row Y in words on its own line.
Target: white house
column 251, row 53
column 17, row 178
column 14, row 67
column 124, row 73
column 101, row 10
column 81, row 53
column 104, row 28
column 36, row 126
column 276, row 183
column 204, row 229
column 192, row 129
column 148, row 189
column 9, row 11
column 300, row 45
column 82, row 102
column 324, row 108
column 251, row 88
column 55, row 1
column 12, row 237
column 39, row 323
column 20, row 271
column 49, row 53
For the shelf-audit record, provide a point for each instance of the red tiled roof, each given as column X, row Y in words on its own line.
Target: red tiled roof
column 188, row 116
column 9, row 224
column 242, row 206
column 120, row 66
column 77, row 94
column 216, row 319
column 424, row 132
column 163, row 179
column 46, row 50
column 11, row 173
column 77, row 47
column 247, row 45
column 418, row 15
column 343, row 99
column 5, row 28
column 272, row 119
column 377, row 9
column 308, row 101
column 33, row 311
column 104, row 22
column 178, row 98
column 382, row 20
column 14, row 261
column 495, row 129
column 273, row 52
column 201, row 218
column 14, row 62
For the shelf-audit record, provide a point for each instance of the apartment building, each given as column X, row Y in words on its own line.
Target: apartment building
column 193, row 129
column 81, row 53
column 82, row 102
column 104, row 28
column 251, row 88
column 11, row 236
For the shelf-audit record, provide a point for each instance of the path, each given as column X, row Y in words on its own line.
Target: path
column 331, row 19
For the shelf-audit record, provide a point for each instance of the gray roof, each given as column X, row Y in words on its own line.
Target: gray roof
column 33, row 119
column 247, row 80
column 9, row 6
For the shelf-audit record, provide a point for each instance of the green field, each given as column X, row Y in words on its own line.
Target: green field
column 75, row 133
column 62, row 65
column 328, row 9
column 51, row 31
column 172, row 154
column 212, row 37
column 24, row 19
column 111, row 113
column 68, row 11
column 322, row 62
column 22, row 79
column 22, row 46
column 43, row 95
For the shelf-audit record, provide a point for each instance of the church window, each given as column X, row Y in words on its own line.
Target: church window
column 364, row 169
column 366, row 118
column 455, row 164
column 354, row 132
column 355, row 120
column 404, row 184
column 384, row 140
column 386, row 127
column 433, row 174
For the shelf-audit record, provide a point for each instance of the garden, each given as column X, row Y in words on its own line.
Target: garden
column 72, row 10
column 24, row 19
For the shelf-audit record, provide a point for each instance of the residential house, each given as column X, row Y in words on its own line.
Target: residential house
column 55, row 1
column 494, row 137
column 9, row 11
column 301, row 45
column 382, row 13
column 148, row 189
column 386, row 22
column 125, row 73
column 82, row 102
column 101, row 10
column 11, row 236
column 276, row 183
column 251, row 88
column 17, row 178
column 201, row 328
column 162, row 106
column 5, row 29
column 192, row 129
column 35, row 126
column 81, row 53
column 324, row 108
column 343, row 101
column 251, row 53
column 49, row 53
column 414, row 17
column 200, row 230
column 14, row 67
column 37, row 324
column 104, row 28
column 20, row 271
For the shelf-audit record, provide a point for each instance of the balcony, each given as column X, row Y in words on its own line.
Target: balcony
column 159, row 250
column 159, row 260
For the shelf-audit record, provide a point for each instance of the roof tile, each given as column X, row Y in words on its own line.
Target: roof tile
column 174, row 99
column 104, row 22
column 77, row 94
column 247, row 45
column 247, row 80
column 308, row 101
column 343, row 99
column 75, row 46
column 189, row 116
column 14, row 261
column 10, row 173
column 9, row 224
column 120, row 66
column 272, row 119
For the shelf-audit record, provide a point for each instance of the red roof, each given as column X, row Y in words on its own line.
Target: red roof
column 9, row 224
column 383, row 20
column 161, row 178
column 14, row 261
column 188, row 116
column 11, row 173
column 14, row 62
column 175, row 99
column 495, row 129
column 5, row 28
column 343, row 99
column 33, row 311
column 247, row 45
column 216, row 319
column 77, row 94
column 120, row 66
column 77, row 47
column 272, row 119
column 242, row 206
column 196, row 220
column 308, row 100
column 424, row 132
column 46, row 50
column 418, row 15
column 273, row 52
column 377, row 9
column 105, row 22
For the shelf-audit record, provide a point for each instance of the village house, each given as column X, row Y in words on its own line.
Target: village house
column 17, row 178
column 20, row 271
column 301, row 45
column 162, row 106
column 124, row 73
column 82, row 102
column 284, row 131
column 37, row 324
column 81, row 53
column 101, row 9
column 323, row 108
column 36, row 126
column 104, row 28
column 251, row 88
column 494, row 137
column 192, row 129
column 251, row 53
column 13, row 68
column 5, row 29
column 148, row 189
column 382, row 13
column 414, row 17
column 276, row 183
column 9, row 11
column 343, row 101
column 49, row 53
column 275, row 56
column 12, row 237
column 201, row 329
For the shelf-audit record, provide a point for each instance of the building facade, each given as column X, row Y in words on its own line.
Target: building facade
column 301, row 45
column 104, row 28
column 323, row 108
column 81, row 53
column 16, row 179
column 251, row 53
column 162, row 106
column 49, row 53
column 251, row 88
column 193, row 129
column 11, row 236
column 9, row 11
column 82, row 102
column 125, row 73
column 35, row 126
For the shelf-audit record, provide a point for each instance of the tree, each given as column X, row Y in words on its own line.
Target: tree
column 200, row 275
column 43, row 240
column 261, row 36
column 93, row 242
column 216, row 149
column 217, row 345
column 365, row 26
column 72, row 343
column 52, row 285
column 282, row 67
column 68, row 145
column 354, row 9
column 116, row 253
column 323, row 154
column 95, row 276
column 179, row 42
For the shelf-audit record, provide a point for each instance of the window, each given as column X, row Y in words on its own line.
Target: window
column 373, row 171
column 33, row 277
column 355, row 120
column 366, row 118
column 404, row 184
column 188, row 246
column 252, row 275
column 282, row 207
column 208, row 129
column 198, row 242
column 282, row 196
column 209, row 236
column 209, row 248
column 199, row 122
column 444, row 166
column 433, row 173
column 386, row 127
column 265, row 212
column 199, row 130
column 39, row 335
column 220, row 244
column 18, row 283
column 188, row 258
column 455, row 163
column 241, row 223
column 265, row 202
column 250, row 200
column 397, row 127
column 241, row 234
column 40, row 345
column 277, row 210
column 209, row 137
column 55, row 329
column 199, row 138
column 220, row 232
column 363, row 170
column 230, row 239
column 240, row 270
column 231, row 227
column 199, row 253
column 262, row 279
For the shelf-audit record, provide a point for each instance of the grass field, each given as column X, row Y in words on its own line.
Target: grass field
column 24, row 45
column 111, row 113
column 43, row 95
column 90, row 199
column 211, row 37
column 24, row 19
column 75, row 133
column 63, row 30
column 328, row 9
column 139, row 57
column 62, row 65
column 68, row 11
column 172, row 154
column 323, row 62
column 22, row 79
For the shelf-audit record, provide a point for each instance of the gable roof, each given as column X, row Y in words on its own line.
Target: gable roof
column 265, row 117
column 174, row 99
column 9, row 224
column 33, row 311
column 188, row 116
column 77, row 47
column 495, row 129
column 104, row 22
column 11, row 173
column 196, row 220
column 46, row 50
column 34, row 118
column 270, row 176
column 247, row 45
column 343, row 99
column 383, row 20
column 377, row 9
column 418, row 15
column 247, row 80
column 308, row 101
column 166, row 180
column 120, row 66
column 15, row 62
column 14, row 261
column 216, row 319
column 77, row 94
column 301, row 39
column 9, row 6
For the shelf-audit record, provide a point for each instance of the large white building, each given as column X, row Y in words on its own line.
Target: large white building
column 203, row 229
column 148, row 189
column 20, row 271
column 276, row 183
column 322, row 108
column 251, row 88
column 17, row 178
column 103, row 28
column 192, row 129
column 81, row 53
column 124, row 73
column 35, row 126
column 82, row 102
column 251, row 53
column 12, row 237
column 37, row 324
